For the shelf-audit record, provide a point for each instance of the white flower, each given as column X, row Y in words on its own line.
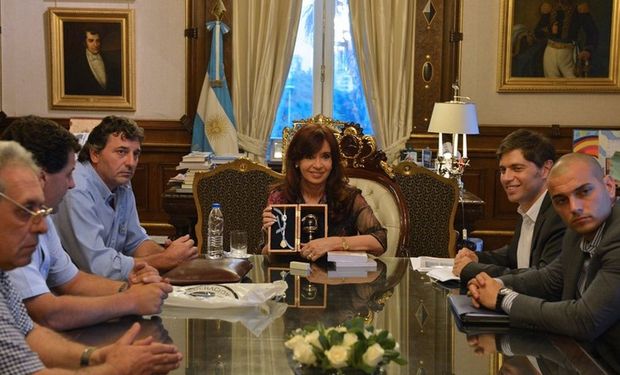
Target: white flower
column 341, row 329
column 294, row 341
column 373, row 355
column 313, row 339
column 337, row 356
column 349, row 339
column 303, row 354
column 367, row 333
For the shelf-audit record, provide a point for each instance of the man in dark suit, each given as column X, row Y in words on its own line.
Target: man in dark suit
column 525, row 159
column 90, row 72
column 578, row 294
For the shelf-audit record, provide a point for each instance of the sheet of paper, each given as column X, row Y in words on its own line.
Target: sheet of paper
column 442, row 274
column 425, row 264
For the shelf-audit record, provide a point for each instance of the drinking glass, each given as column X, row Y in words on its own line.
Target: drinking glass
column 238, row 243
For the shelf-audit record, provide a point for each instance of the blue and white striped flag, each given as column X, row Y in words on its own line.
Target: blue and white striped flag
column 214, row 124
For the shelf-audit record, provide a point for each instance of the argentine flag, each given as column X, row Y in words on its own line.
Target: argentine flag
column 214, row 128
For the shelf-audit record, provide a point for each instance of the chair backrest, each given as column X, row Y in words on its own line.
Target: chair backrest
column 242, row 188
column 367, row 169
column 431, row 207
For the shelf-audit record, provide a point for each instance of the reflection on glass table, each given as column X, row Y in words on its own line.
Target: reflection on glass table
column 396, row 298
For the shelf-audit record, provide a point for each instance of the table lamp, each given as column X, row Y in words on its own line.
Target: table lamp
column 456, row 117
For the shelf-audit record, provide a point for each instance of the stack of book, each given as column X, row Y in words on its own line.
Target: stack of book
column 193, row 162
column 350, row 264
column 224, row 158
column 197, row 161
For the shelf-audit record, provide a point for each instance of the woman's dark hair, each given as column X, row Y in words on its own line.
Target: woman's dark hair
column 306, row 142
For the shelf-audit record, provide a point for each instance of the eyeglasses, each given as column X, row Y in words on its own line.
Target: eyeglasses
column 27, row 213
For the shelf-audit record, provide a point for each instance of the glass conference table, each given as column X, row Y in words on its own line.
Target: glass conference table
column 397, row 298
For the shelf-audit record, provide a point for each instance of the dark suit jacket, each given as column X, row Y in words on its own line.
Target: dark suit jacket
column 594, row 316
column 80, row 80
column 546, row 246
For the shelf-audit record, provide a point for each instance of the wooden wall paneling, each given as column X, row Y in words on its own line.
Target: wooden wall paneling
column 140, row 185
column 197, row 45
column 437, row 44
column 428, row 36
column 165, row 143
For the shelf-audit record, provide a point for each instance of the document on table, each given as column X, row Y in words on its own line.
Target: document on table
column 436, row 268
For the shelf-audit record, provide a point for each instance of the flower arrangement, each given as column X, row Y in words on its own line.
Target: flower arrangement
column 348, row 348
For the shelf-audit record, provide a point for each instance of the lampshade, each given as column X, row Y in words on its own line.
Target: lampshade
column 454, row 117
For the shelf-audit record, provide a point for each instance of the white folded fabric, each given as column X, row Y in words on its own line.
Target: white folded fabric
column 249, row 304
column 218, row 296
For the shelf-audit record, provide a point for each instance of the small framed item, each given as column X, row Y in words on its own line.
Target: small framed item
column 427, row 158
column 283, row 233
column 295, row 225
column 313, row 222
column 275, row 152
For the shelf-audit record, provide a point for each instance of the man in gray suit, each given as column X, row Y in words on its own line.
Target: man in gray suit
column 578, row 294
column 525, row 158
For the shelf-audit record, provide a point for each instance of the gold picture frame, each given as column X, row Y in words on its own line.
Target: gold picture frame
column 525, row 51
column 92, row 59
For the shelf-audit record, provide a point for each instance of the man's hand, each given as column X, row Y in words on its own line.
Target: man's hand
column 127, row 356
column 147, row 299
column 181, row 250
column 463, row 258
column 142, row 273
column 483, row 290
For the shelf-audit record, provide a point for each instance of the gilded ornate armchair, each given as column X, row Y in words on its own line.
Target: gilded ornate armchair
column 242, row 188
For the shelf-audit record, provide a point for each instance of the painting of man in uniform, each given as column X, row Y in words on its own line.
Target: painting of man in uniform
column 92, row 58
column 561, row 38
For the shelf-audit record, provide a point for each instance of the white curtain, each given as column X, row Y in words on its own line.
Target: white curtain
column 383, row 35
column 264, row 33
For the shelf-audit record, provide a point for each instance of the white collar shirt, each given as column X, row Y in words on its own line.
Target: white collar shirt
column 524, row 247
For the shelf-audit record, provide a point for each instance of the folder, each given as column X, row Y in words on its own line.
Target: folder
column 466, row 313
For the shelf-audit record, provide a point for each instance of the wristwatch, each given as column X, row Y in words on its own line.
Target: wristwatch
column 503, row 292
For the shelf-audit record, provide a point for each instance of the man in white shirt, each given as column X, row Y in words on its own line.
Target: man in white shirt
column 525, row 159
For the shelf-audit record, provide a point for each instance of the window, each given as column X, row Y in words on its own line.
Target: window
column 323, row 80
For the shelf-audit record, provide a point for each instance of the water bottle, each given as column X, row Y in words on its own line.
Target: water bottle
column 215, row 238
